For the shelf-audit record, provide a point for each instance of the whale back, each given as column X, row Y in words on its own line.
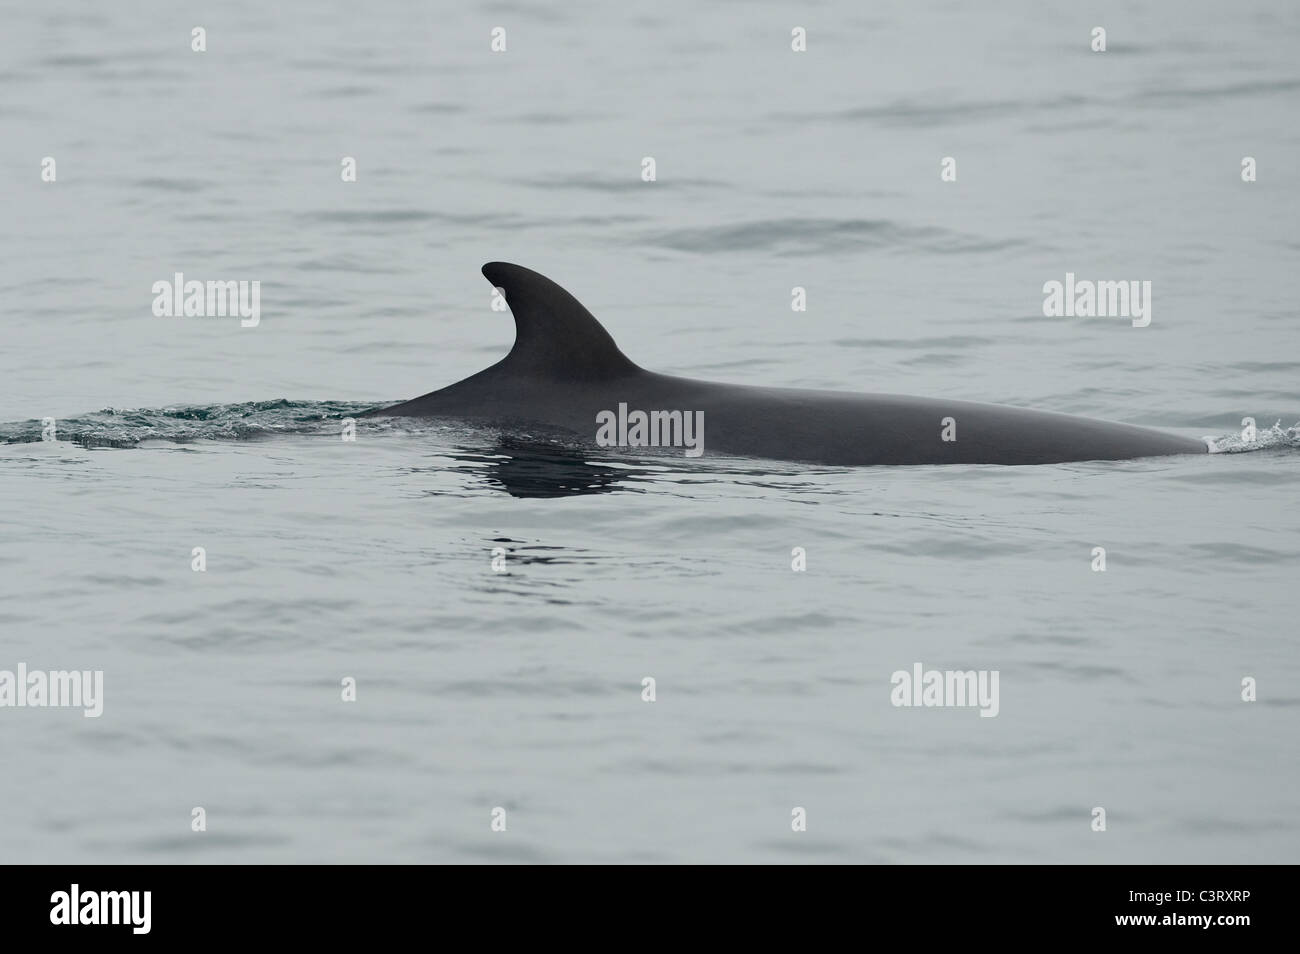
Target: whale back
column 565, row 370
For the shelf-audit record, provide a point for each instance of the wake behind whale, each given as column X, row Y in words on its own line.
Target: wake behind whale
column 565, row 372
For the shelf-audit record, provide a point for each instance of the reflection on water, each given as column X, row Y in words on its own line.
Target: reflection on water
column 530, row 468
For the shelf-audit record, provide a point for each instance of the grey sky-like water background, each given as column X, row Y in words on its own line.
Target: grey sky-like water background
column 775, row 169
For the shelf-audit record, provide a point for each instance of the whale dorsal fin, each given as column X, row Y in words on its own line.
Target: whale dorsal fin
column 554, row 335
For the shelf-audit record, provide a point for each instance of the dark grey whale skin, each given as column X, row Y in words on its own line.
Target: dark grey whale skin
column 564, row 368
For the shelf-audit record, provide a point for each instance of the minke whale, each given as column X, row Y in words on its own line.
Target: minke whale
column 565, row 373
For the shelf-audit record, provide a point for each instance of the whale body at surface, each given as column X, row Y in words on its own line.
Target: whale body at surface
column 564, row 370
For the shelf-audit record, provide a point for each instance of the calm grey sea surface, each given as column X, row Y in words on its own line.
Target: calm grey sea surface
column 372, row 559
